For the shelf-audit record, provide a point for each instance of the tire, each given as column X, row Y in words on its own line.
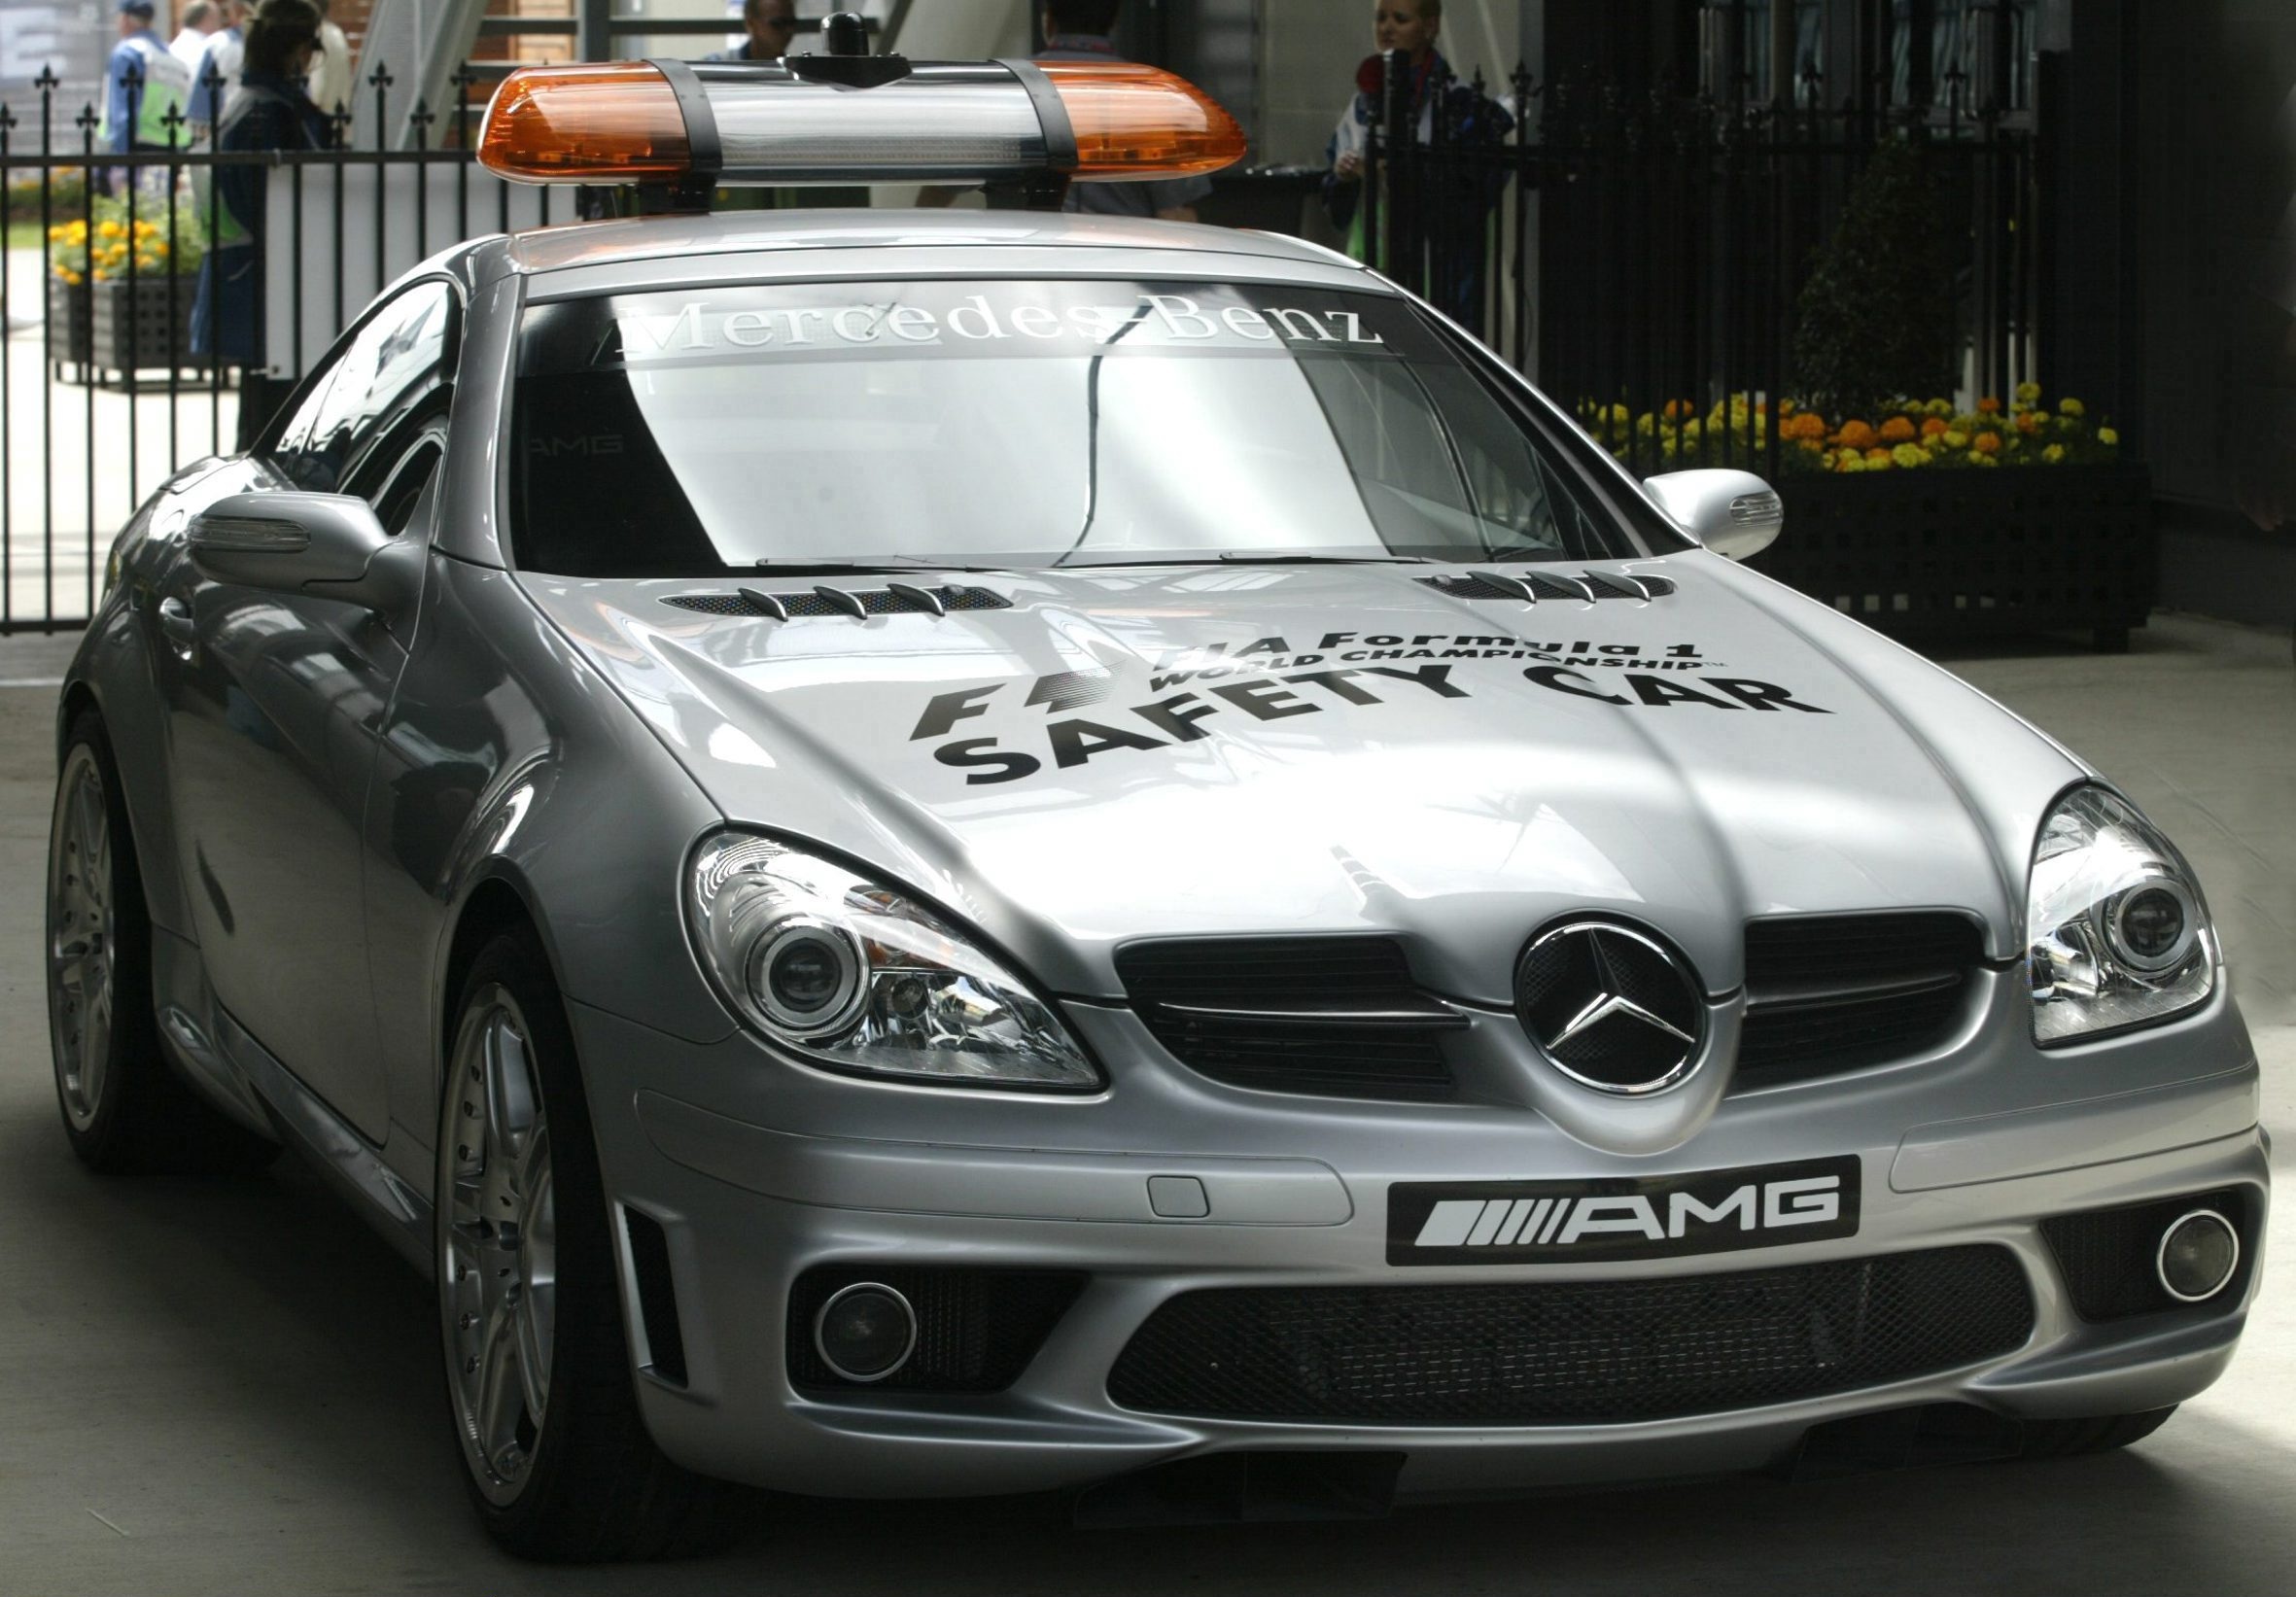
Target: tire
column 2075, row 1437
column 529, row 1302
column 125, row 1111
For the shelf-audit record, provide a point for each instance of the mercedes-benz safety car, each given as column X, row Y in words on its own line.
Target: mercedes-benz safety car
column 976, row 851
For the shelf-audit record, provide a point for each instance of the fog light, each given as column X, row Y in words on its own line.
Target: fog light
column 2198, row 1256
column 865, row 1331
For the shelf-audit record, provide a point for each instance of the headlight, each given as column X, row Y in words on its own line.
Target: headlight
column 2116, row 934
column 852, row 974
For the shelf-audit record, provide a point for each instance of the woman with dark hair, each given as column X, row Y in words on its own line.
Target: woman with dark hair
column 271, row 113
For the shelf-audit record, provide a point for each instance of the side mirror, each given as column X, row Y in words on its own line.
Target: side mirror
column 1733, row 513
column 324, row 545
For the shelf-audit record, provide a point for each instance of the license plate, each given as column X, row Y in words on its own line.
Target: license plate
column 1622, row 1217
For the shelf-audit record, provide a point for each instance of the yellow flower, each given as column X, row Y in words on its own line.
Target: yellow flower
column 2029, row 392
column 70, row 276
column 1851, row 463
column 2054, row 453
column 1984, row 460
column 2072, row 407
column 2106, row 436
column 1940, row 407
column 1811, row 446
column 110, row 229
column 1956, row 439
column 59, row 231
column 1911, row 455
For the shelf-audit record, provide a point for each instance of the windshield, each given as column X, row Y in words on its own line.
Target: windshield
column 1021, row 424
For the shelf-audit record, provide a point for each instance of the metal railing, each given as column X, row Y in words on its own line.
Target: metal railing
column 107, row 389
column 1636, row 254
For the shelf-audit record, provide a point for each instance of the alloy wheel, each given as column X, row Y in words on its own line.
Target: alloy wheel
column 497, row 1260
column 83, row 936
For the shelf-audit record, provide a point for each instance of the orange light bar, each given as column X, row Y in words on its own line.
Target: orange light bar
column 1142, row 121
column 610, row 122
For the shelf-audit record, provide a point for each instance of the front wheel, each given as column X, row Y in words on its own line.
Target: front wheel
column 537, row 1371
column 125, row 1111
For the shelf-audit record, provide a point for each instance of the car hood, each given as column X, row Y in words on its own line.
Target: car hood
column 1107, row 755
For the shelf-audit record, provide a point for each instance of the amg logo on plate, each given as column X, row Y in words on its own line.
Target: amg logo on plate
column 1549, row 1222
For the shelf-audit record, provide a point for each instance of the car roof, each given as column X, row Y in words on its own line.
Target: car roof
column 592, row 244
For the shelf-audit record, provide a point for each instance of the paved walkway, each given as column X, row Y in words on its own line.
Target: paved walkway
column 225, row 1389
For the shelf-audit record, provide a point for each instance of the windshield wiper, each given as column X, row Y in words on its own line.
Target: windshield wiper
column 1254, row 557
column 1246, row 557
column 855, row 568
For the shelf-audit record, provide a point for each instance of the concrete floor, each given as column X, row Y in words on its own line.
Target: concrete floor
column 232, row 1388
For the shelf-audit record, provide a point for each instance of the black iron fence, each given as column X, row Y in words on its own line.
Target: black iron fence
column 1646, row 258
column 115, row 375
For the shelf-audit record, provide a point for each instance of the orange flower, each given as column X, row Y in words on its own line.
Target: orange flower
column 1897, row 430
column 2029, row 422
column 1933, row 426
column 1679, row 409
column 1805, row 425
column 1877, row 453
column 1988, row 407
column 1814, row 446
column 1857, row 435
column 1987, row 444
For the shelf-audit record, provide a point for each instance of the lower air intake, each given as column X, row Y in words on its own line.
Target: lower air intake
column 1573, row 1352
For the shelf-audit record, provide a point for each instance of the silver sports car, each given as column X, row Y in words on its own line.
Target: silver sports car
column 922, row 854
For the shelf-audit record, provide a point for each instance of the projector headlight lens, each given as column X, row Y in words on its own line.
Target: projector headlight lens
column 2116, row 932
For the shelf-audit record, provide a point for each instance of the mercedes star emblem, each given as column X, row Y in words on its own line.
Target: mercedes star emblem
column 1611, row 1007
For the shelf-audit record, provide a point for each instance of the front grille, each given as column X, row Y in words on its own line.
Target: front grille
column 1276, row 1013
column 813, row 602
column 1475, row 585
column 1833, row 992
column 2109, row 1257
column 976, row 1329
column 1573, row 1352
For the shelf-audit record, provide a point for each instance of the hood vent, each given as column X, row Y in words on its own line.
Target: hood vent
column 893, row 599
column 1534, row 586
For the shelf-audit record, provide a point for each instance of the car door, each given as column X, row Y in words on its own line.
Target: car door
column 276, row 702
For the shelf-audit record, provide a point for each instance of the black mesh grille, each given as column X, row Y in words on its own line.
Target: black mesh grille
column 976, row 1329
column 1572, row 1351
column 1299, row 974
column 874, row 600
column 2108, row 1257
column 1470, row 586
column 1828, row 994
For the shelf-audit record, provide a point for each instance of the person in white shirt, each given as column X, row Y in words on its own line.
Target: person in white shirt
column 330, row 84
column 215, row 84
column 200, row 20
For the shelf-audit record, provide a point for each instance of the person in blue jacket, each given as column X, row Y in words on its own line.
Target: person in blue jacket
column 144, row 89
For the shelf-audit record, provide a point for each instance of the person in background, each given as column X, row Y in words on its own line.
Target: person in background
column 215, row 83
column 331, row 87
column 272, row 112
column 144, row 90
column 1455, row 213
column 1078, row 30
column 772, row 26
column 200, row 20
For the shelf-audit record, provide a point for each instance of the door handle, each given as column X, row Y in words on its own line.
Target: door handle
column 175, row 621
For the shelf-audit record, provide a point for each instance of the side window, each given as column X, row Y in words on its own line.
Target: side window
column 393, row 367
column 402, row 488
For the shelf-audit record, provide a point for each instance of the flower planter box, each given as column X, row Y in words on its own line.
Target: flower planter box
column 121, row 326
column 1967, row 553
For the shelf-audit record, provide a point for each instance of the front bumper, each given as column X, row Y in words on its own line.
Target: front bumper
column 750, row 1167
